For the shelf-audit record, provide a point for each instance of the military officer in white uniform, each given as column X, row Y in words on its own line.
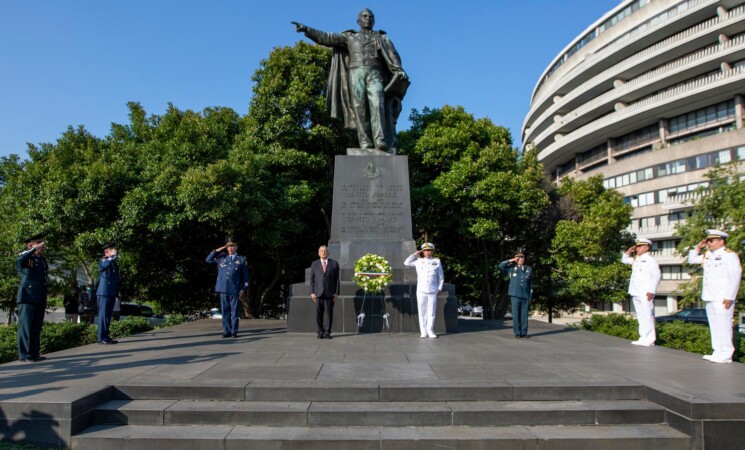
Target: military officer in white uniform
column 722, row 274
column 645, row 277
column 430, row 279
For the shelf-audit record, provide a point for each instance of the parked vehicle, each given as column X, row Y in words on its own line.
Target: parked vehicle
column 691, row 315
column 464, row 310
column 478, row 311
column 215, row 313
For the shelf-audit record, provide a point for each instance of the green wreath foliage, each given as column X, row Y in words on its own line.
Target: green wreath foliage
column 372, row 273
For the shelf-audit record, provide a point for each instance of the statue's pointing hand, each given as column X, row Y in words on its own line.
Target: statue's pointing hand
column 299, row 27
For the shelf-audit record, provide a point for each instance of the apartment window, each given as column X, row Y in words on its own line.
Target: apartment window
column 642, row 199
column 674, row 273
column 740, row 153
column 638, row 137
column 648, row 222
column 700, row 117
column 721, row 157
column 697, row 162
column 671, row 168
column 667, row 246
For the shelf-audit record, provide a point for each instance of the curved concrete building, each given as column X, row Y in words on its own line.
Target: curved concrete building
column 650, row 96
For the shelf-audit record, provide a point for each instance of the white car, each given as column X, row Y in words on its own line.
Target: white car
column 215, row 313
column 478, row 311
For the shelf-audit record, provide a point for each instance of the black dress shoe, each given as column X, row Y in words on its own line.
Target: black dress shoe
column 235, row 335
column 319, row 337
column 38, row 358
column 108, row 342
column 525, row 336
column 518, row 336
column 328, row 336
column 226, row 335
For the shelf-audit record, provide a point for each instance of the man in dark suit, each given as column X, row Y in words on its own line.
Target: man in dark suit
column 324, row 285
column 231, row 284
column 32, row 298
column 108, row 290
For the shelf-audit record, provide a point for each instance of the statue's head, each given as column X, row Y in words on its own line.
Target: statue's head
column 366, row 19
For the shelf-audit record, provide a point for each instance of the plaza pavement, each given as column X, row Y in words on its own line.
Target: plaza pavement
column 194, row 354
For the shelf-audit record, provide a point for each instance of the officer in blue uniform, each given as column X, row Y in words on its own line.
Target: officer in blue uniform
column 231, row 284
column 520, row 291
column 108, row 291
column 32, row 298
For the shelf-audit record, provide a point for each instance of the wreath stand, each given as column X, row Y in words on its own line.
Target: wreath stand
column 361, row 316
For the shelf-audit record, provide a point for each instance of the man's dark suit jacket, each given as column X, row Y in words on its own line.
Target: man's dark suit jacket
column 324, row 285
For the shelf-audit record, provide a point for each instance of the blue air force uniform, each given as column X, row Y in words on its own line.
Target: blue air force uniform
column 108, row 290
column 32, row 303
column 232, row 278
column 520, row 290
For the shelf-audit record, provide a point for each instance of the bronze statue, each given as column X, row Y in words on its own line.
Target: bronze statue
column 366, row 82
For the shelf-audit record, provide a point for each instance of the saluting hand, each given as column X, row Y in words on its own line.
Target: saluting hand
column 701, row 245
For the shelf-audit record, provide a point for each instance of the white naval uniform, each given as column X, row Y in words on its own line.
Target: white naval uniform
column 722, row 273
column 430, row 279
column 645, row 277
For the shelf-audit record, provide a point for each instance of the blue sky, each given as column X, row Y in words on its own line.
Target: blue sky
column 79, row 62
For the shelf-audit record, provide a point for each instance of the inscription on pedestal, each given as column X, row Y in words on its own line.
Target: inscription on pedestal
column 372, row 208
column 371, row 199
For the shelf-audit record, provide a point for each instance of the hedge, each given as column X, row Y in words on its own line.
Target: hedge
column 691, row 337
column 64, row 335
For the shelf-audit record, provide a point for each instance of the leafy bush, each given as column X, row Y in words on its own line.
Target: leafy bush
column 739, row 347
column 614, row 325
column 61, row 336
column 174, row 319
column 691, row 337
column 8, row 343
column 129, row 326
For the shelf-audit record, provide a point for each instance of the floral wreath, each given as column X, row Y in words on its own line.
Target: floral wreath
column 372, row 273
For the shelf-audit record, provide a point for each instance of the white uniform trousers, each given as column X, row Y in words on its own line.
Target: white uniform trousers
column 427, row 306
column 645, row 315
column 720, row 325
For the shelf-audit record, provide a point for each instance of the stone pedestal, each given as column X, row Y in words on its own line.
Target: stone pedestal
column 371, row 213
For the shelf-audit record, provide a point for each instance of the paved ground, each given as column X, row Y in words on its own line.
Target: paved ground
column 50, row 400
column 482, row 350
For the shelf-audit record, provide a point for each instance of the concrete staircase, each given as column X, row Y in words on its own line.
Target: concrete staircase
column 405, row 415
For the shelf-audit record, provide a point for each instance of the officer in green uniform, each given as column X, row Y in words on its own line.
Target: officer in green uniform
column 520, row 291
column 32, row 298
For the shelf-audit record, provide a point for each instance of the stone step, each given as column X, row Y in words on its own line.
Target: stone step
column 611, row 437
column 371, row 391
column 402, row 414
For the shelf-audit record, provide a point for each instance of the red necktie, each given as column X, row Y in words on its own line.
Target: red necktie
column 324, row 265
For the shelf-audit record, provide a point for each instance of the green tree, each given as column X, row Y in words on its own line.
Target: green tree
column 585, row 250
column 473, row 194
column 10, row 167
column 721, row 206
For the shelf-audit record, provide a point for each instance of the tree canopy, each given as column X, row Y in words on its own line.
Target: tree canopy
column 721, row 206
column 170, row 188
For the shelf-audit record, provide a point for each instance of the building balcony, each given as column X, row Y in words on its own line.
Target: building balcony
column 681, row 201
column 603, row 66
column 668, row 257
column 656, row 232
column 692, row 95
